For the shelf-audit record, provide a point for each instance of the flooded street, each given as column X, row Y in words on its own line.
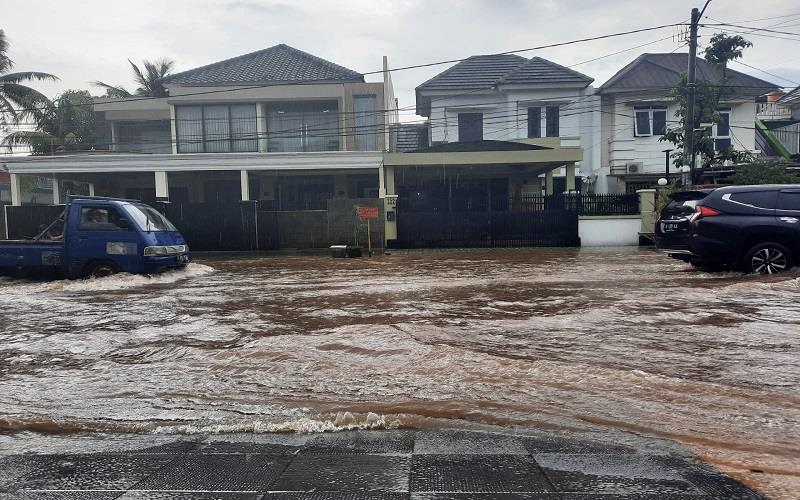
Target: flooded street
column 589, row 340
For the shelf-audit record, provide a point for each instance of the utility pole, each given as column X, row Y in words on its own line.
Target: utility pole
column 688, row 121
column 691, row 88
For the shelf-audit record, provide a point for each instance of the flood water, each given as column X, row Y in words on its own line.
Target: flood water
column 590, row 340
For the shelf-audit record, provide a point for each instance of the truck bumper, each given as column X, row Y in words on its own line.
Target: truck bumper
column 157, row 264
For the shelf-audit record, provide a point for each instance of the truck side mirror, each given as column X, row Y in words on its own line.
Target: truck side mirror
column 124, row 224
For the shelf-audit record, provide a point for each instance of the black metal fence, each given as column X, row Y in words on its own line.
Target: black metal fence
column 583, row 204
column 608, row 204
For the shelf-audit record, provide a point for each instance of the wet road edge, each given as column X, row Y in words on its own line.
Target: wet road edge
column 387, row 464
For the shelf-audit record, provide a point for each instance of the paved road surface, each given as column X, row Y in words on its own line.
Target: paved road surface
column 390, row 464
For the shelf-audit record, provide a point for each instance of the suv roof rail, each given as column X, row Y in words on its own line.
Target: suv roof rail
column 73, row 197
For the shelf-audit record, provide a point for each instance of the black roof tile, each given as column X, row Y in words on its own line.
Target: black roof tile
column 662, row 72
column 280, row 63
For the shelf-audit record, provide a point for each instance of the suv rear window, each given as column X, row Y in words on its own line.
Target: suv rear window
column 684, row 202
column 759, row 199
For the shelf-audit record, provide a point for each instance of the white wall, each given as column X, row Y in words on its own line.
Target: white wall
column 622, row 147
column 505, row 111
column 609, row 231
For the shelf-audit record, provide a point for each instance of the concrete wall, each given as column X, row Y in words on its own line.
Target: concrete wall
column 609, row 231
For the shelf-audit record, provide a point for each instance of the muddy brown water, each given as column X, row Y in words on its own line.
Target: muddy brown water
column 569, row 340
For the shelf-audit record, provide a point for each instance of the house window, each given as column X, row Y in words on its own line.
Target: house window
column 365, row 123
column 650, row 121
column 722, row 131
column 534, row 122
column 303, row 126
column 552, row 121
column 216, row 128
column 470, row 127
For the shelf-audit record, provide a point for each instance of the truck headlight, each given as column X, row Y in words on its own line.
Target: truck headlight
column 165, row 250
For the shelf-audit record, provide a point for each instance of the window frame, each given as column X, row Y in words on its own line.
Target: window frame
column 715, row 130
column 548, row 121
column 479, row 121
column 82, row 226
column 650, row 110
column 202, row 120
column 364, row 138
column 535, row 125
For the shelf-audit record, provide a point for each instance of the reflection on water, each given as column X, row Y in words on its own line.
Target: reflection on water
column 559, row 339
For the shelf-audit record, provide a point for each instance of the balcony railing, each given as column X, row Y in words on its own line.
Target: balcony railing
column 773, row 111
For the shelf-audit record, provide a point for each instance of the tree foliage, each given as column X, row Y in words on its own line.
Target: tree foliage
column 763, row 172
column 722, row 49
column 17, row 101
column 148, row 81
column 65, row 124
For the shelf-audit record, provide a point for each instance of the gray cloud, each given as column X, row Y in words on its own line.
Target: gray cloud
column 93, row 42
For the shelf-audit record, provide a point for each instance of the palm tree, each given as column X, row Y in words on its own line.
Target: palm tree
column 149, row 81
column 18, row 100
column 65, row 124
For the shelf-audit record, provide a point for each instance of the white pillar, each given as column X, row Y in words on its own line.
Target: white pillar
column 114, row 135
column 261, row 128
column 162, row 186
column 16, row 193
column 173, row 129
column 91, row 189
column 245, row 179
column 56, row 194
column 381, row 182
column 570, row 180
column 548, row 182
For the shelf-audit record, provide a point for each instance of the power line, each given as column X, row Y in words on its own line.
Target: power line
column 403, row 68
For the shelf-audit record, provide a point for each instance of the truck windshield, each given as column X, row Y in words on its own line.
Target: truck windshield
column 149, row 219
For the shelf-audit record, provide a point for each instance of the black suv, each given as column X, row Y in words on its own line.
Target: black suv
column 752, row 228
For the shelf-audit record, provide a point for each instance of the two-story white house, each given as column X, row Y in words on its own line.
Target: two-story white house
column 514, row 99
column 637, row 109
column 280, row 127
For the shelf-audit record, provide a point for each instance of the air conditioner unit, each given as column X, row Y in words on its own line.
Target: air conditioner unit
column 634, row 167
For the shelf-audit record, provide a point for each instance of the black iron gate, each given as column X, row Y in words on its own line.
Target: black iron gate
column 544, row 221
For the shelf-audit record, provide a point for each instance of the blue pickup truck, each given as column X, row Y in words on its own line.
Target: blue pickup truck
column 97, row 237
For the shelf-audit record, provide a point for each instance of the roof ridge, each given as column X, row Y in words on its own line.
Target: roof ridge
column 534, row 59
column 654, row 59
column 224, row 61
column 255, row 53
column 470, row 58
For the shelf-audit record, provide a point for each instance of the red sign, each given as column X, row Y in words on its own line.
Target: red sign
column 367, row 212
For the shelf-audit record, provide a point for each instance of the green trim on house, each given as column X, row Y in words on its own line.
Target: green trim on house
column 772, row 140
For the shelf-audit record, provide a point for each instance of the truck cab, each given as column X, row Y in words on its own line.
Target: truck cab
column 98, row 237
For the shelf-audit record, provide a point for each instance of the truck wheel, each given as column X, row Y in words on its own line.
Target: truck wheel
column 101, row 270
column 767, row 258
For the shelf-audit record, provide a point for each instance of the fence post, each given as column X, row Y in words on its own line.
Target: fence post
column 647, row 210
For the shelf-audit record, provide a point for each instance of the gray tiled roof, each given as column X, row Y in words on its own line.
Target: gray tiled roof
column 538, row 70
column 280, row 63
column 662, row 71
column 487, row 71
column 410, row 137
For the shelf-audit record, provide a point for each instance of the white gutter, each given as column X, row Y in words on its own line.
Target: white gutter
column 97, row 163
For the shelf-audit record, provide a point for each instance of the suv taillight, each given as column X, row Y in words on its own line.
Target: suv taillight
column 701, row 212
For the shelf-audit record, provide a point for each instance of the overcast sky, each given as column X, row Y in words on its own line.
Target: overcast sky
column 82, row 41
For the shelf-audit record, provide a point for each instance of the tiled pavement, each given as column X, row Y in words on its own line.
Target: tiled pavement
column 381, row 465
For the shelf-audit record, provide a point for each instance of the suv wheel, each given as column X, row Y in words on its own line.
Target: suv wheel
column 768, row 258
column 101, row 270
